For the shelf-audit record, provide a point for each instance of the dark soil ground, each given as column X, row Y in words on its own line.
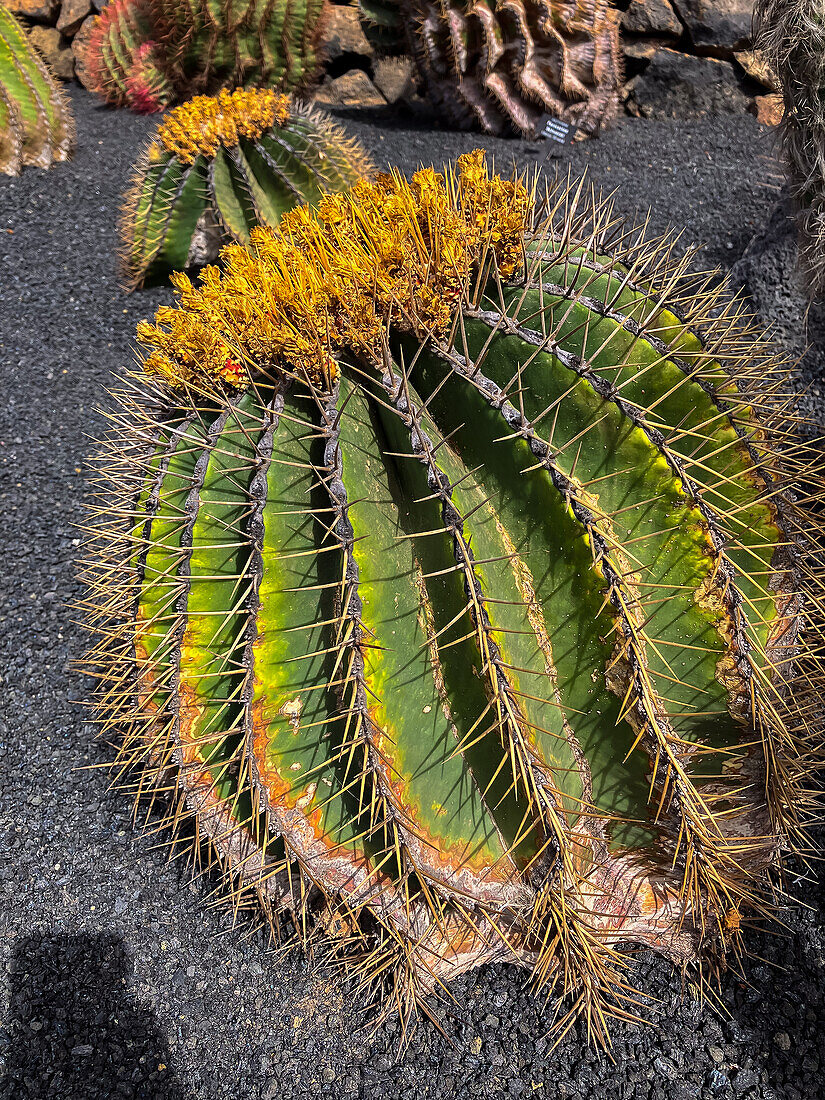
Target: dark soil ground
column 120, row 981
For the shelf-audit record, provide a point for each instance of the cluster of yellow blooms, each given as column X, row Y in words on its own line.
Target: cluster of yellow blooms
column 199, row 126
column 387, row 253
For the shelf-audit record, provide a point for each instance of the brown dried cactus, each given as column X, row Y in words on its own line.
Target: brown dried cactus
column 503, row 64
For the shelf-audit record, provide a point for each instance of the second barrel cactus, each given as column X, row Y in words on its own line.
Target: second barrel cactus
column 451, row 587
column 220, row 165
column 146, row 54
column 503, row 66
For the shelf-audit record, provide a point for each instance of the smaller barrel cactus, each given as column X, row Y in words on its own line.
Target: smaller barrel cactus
column 791, row 33
column 146, row 54
column 217, row 166
column 36, row 126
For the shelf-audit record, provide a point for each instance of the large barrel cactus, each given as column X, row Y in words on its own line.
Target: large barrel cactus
column 219, row 165
column 791, row 34
column 447, row 577
column 503, row 66
column 36, row 125
column 146, row 54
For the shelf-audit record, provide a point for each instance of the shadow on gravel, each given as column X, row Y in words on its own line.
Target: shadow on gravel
column 75, row 1032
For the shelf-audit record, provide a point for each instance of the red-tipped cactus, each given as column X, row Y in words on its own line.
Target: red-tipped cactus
column 146, row 54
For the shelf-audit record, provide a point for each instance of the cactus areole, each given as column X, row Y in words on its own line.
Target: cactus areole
column 456, row 595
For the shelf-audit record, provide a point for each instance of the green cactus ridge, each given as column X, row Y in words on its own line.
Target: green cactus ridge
column 36, row 126
column 178, row 214
column 499, row 648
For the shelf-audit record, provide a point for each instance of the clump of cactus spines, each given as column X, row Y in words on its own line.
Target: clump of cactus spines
column 791, row 34
column 448, row 582
column 219, row 165
column 146, row 54
column 503, row 66
column 36, row 126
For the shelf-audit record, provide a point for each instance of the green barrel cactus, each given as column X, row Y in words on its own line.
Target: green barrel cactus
column 447, row 577
column 146, row 54
column 218, row 166
column 791, row 34
column 36, row 126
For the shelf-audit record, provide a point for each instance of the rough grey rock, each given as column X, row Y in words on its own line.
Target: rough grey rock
column 651, row 17
column 342, row 34
column 72, row 14
column 352, row 90
column 394, row 78
column 719, row 24
column 679, row 85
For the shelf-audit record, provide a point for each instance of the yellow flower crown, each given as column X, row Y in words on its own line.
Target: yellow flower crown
column 332, row 280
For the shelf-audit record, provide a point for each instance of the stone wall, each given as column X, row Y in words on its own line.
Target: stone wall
column 683, row 58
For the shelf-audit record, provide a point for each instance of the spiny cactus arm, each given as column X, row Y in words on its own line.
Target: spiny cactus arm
column 39, row 130
column 572, row 607
column 234, row 203
column 670, row 566
column 305, row 770
column 11, row 137
column 201, row 643
column 300, row 36
column 710, row 869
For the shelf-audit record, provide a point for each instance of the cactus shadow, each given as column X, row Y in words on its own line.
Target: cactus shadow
column 75, row 1032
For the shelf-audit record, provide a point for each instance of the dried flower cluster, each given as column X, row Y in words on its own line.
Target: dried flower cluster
column 331, row 279
column 202, row 124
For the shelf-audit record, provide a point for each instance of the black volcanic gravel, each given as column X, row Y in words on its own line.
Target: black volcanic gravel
column 120, row 980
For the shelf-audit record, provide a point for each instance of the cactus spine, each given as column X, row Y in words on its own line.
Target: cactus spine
column 219, row 166
column 502, row 66
column 791, row 33
column 146, row 54
column 456, row 588
column 36, row 126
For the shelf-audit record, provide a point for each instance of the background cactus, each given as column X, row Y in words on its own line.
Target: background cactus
column 503, row 66
column 791, row 34
column 36, row 126
column 453, row 587
column 127, row 63
column 220, row 165
column 146, row 54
